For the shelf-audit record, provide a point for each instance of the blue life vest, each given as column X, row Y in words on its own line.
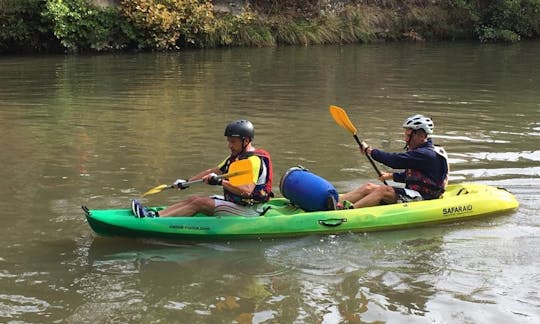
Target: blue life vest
column 427, row 187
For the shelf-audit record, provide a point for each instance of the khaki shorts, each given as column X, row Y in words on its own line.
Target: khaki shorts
column 228, row 208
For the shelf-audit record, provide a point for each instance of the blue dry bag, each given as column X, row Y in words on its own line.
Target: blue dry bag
column 307, row 190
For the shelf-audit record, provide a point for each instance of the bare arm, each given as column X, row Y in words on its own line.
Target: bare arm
column 243, row 190
column 204, row 173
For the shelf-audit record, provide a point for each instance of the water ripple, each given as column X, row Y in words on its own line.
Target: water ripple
column 470, row 139
column 501, row 156
column 489, row 173
column 15, row 305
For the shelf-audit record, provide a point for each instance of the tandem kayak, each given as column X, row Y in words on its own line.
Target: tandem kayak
column 283, row 219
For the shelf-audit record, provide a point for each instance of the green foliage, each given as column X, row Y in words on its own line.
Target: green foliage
column 81, row 26
column 345, row 26
column 169, row 24
column 295, row 32
column 489, row 34
column 436, row 22
column 78, row 25
column 245, row 29
column 502, row 20
column 512, row 16
column 353, row 26
column 304, row 8
column 21, row 26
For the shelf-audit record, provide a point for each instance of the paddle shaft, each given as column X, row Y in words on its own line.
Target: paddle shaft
column 369, row 158
column 221, row 176
column 232, row 174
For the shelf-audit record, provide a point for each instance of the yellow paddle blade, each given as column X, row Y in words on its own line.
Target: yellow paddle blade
column 155, row 190
column 341, row 118
column 240, row 173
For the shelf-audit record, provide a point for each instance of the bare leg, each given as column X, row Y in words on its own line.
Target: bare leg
column 374, row 198
column 190, row 207
column 370, row 195
column 358, row 193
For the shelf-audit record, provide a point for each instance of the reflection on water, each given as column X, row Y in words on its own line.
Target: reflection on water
column 99, row 130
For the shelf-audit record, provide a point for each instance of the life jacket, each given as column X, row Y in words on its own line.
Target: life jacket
column 263, row 191
column 427, row 187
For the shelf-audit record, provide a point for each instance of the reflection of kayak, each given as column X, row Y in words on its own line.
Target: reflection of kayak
column 460, row 201
column 111, row 254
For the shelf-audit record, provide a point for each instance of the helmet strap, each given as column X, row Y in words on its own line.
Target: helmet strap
column 406, row 147
column 244, row 145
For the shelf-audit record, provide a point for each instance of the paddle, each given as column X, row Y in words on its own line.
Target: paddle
column 240, row 173
column 341, row 118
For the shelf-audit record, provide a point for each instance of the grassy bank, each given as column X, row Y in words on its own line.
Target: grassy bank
column 119, row 25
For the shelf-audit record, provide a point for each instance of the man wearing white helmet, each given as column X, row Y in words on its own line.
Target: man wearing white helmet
column 425, row 169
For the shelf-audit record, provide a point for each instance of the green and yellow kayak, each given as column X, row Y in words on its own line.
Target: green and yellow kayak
column 282, row 219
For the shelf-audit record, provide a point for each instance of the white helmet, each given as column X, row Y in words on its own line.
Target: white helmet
column 417, row 122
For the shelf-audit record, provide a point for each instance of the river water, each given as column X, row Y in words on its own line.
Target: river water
column 100, row 130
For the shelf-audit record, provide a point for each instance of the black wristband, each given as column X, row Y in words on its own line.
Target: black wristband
column 215, row 180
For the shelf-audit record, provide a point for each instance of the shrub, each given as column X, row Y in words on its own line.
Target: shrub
column 169, row 24
column 509, row 20
column 489, row 34
column 81, row 26
column 245, row 29
column 521, row 17
column 22, row 27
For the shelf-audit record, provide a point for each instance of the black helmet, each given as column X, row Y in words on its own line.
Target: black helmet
column 240, row 128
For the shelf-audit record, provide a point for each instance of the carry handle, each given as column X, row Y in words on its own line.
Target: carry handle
column 332, row 222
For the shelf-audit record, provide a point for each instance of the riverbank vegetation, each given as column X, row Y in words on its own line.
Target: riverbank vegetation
column 119, row 25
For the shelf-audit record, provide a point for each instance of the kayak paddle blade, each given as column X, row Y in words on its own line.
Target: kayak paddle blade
column 341, row 118
column 240, row 172
column 156, row 190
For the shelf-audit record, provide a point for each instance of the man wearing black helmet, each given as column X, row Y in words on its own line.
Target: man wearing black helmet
column 425, row 165
column 236, row 200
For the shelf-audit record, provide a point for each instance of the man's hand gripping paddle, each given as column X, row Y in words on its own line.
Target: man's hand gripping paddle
column 240, row 173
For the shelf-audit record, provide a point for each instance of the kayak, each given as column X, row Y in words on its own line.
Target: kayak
column 281, row 218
